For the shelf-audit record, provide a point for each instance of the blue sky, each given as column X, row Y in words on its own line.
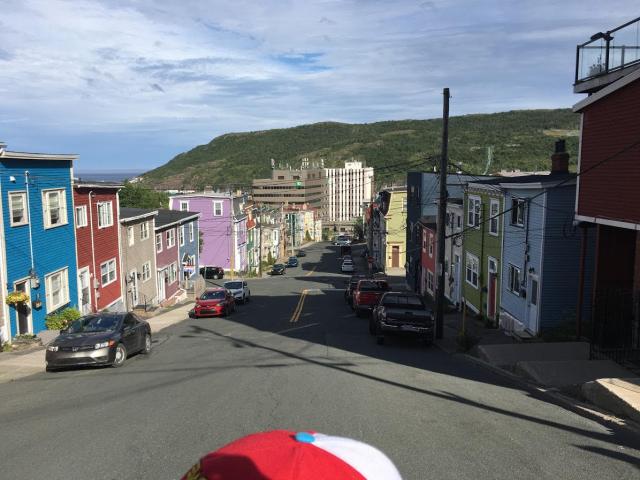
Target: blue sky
column 128, row 84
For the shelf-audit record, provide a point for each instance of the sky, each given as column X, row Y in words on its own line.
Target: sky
column 128, row 84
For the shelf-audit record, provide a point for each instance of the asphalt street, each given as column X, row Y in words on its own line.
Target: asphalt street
column 297, row 358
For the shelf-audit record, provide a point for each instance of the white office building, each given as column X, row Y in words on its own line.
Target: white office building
column 347, row 189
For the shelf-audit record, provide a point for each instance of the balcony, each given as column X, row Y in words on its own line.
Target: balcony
column 607, row 57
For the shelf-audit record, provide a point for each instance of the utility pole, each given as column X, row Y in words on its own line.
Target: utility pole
column 442, row 213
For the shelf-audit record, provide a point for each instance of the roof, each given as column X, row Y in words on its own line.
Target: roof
column 97, row 185
column 429, row 222
column 167, row 217
column 609, row 89
column 6, row 154
column 128, row 214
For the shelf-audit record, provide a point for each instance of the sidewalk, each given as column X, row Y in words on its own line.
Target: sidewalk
column 15, row 365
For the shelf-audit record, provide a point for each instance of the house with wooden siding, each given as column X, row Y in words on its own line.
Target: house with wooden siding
column 541, row 251
column 607, row 198
column 167, row 258
column 394, row 225
column 428, row 282
column 186, row 224
column 137, row 239
column 453, row 250
column 96, row 218
column 37, row 237
column 482, row 247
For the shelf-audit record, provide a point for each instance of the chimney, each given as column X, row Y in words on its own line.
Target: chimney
column 208, row 189
column 560, row 159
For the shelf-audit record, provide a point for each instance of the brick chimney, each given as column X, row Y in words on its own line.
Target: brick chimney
column 560, row 159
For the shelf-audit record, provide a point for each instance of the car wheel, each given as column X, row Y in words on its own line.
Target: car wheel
column 120, row 356
column 49, row 369
column 147, row 344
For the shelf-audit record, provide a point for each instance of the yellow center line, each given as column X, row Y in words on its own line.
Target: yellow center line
column 298, row 310
column 310, row 272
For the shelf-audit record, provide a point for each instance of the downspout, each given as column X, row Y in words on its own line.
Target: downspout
column 26, row 183
column 94, row 300
column 481, row 266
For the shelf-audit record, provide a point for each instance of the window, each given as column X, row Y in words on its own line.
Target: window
column 105, row 214
column 424, row 241
column 514, row 280
column 184, row 206
column 158, row 242
column 517, row 212
column 146, row 271
column 181, row 235
column 430, row 281
column 81, row 216
column 431, row 245
column 494, row 207
column 173, row 273
column 474, row 205
column 144, row 230
column 131, row 236
column 171, row 238
column 57, row 289
column 191, row 232
column 18, row 207
column 54, row 203
column 108, row 272
column 404, row 204
column 472, row 270
column 459, row 220
column 217, row 208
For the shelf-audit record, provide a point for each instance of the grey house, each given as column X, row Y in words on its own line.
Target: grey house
column 138, row 256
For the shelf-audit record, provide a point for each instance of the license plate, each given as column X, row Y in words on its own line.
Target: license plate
column 408, row 328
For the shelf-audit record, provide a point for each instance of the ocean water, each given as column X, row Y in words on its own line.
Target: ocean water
column 111, row 176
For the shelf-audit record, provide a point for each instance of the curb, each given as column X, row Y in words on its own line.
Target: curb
column 576, row 406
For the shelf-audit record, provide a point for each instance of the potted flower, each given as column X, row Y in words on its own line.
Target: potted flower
column 17, row 297
column 37, row 303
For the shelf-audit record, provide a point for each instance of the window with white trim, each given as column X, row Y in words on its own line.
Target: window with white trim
column 517, row 212
column 184, row 206
column 54, row 203
column 158, row 242
column 57, row 289
column 472, row 270
column 181, row 235
column 474, row 205
column 18, row 208
column 81, row 216
column 146, row 271
column 131, row 236
column 494, row 219
column 171, row 238
column 430, row 281
column 431, row 245
column 172, row 273
column 217, row 208
column 513, row 284
column 105, row 214
column 191, row 232
column 108, row 272
column 144, row 230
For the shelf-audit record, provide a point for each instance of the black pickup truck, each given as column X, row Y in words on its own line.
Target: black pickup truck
column 402, row 313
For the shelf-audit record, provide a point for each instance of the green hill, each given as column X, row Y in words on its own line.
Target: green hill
column 520, row 139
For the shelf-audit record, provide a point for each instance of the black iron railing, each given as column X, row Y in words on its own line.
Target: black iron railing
column 607, row 52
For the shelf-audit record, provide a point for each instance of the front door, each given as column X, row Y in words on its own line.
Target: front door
column 23, row 310
column 133, row 275
column 456, row 279
column 160, row 282
column 492, row 288
column 395, row 256
column 84, row 290
column 534, row 297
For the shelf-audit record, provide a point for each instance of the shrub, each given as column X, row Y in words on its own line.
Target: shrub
column 62, row 318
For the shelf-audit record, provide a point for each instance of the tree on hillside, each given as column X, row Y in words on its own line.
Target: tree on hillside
column 140, row 196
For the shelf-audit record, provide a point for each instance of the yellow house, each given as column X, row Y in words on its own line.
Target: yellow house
column 395, row 225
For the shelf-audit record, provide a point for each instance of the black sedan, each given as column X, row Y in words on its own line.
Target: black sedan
column 301, row 253
column 99, row 339
column 278, row 269
column 292, row 262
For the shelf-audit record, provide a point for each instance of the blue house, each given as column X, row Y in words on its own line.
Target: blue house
column 38, row 238
column 541, row 252
column 188, row 239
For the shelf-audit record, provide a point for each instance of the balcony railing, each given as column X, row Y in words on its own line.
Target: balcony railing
column 608, row 52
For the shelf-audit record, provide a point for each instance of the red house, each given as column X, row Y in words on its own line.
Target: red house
column 97, row 227
column 608, row 197
column 428, row 256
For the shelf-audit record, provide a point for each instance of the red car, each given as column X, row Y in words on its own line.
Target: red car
column 367, row 294
column 214, row 301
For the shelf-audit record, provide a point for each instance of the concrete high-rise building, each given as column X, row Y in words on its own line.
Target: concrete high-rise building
column 291, row 187
column 346, row 190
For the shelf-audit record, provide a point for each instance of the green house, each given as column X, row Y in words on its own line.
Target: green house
column 482, row 248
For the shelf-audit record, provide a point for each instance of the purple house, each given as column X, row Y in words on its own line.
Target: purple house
column 223, row 226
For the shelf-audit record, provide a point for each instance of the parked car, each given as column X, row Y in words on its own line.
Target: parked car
column 345, row 250
column 347, row 267
column 278, row 269
column 99, row 339
column 352, row 283
column 301, row 253
column 347, row 257
column 209, row 273
column 214, row 302
column 367, row 295
column 239, row 289
column 402, row 313
column 292, row 262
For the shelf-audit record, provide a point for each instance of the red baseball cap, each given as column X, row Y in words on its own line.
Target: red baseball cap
column 287, row 455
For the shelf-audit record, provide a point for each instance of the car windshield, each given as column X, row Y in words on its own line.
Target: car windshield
column 293, row 258
column 212, row 295
column 233, row 285
column 278, row 265
column 95, row 323
column 371, row 286
column 409, row 302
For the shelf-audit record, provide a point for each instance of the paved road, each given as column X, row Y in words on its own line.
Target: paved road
column 296, row 362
